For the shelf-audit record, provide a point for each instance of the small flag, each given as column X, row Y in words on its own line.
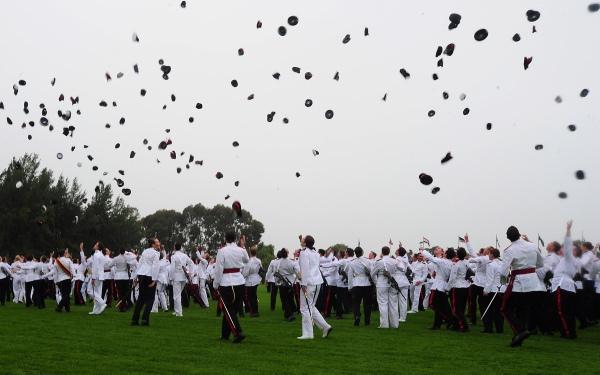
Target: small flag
column 541, row 241
column 497, row 243
column 425, row 240
column 460, row 239
column 390, row 242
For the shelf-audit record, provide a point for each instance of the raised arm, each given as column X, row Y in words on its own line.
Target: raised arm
column 568, row 245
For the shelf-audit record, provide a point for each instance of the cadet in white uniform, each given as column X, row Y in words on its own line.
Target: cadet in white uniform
column 284, row 273
column 18, row 280
column 310, row 281
column 419, row 270
column 180, row 262
column 147, row 274
column 459, row 289
column 98, row 261
column 162, row 284
column 360, row 286
column 522, row 258
column 493, row 289
column 202, row 276
column 403, row 283
column 439, row 300
column 384, row 270
column 251, row 274
column 229, row 282
column 476, row 290
column 64, row 271
column 563, row 287
column 5, row 273
column 121, row 277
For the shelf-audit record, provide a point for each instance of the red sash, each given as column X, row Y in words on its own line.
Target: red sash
column 63, row 268
column 231, row 270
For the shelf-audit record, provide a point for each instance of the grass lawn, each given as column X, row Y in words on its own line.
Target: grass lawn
column 45, row 342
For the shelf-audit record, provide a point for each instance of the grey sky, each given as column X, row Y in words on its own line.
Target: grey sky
column 364, row 184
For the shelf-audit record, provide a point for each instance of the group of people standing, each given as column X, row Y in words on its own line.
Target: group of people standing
column 532, row 292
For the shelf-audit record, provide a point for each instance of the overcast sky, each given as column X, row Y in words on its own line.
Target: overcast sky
column 364, row 184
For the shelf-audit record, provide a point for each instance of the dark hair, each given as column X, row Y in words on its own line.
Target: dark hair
column 358, row 251
column 401, row 251
column 495, row 252
column 461, row 253
column 43, row 259
column 280, row 254
column 321, row 252
column 151, row 242
column 230, row 237
column 555, row 246
column 385, row 250
column 177, row 246
column 450, row 253
column 253, row 251
column 309, row 241
column 29, row 257
column 122, row 251
column 100, row 246
column 349, row 252
column 512, row 233
column 284, row 253
column 587, row 245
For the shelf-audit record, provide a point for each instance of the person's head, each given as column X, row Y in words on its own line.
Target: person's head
column 493, row 253
column 587, row 246
column 577, row 251
column 107, row 252
column 486, row 251
column 253, row 251
column 322, row 252
column 284, row 253
column 154, row 243
column 43, row 259
column 419, row 257
column 450, row 253
column 66, row 253
column 230, row 237
column 372, row 255
column 401, row 251
column 122, row 251
column 553, row 247
column 385, row 251
column 512, row 233
column 349, row 253
column 358, row 251
column 438, row 252
column 177, row 246
column 309, row 241
column 29, row 257
column 461, row 253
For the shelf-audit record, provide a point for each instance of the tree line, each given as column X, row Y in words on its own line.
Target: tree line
column 40, row 213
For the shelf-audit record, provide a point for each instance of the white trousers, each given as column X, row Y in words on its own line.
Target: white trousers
column 97, row 293
column 19, row 290
column 403, row 303
column 178, row 286
column 309, row 311
column 427, row 294
column 203, row 295
column 387, row 299
column 161, row 297
column 416, row 293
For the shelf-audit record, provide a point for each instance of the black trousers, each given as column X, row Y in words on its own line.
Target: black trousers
column 145, row 299
column 287, row 300
column 123, row 290
column 580, row 308
column 539, row 318
column 107, row 293
column 589, row 292
column 252, row 299
column 79, row 299
column 341, row 296
column 475, row 300
column 441, row 307
column 273, row 290
column 565, row 306
column 362, row 294
column 459, row 298
column 516, row 308
column 3, row 290
column 231, row 296
column 65, row 295
column 493, row 317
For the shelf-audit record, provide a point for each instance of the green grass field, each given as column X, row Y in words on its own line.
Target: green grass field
column 45, row 342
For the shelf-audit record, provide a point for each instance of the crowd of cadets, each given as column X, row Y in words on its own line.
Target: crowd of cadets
column 544, row 295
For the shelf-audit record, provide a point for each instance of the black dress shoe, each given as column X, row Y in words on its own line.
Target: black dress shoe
column 519, row 338
column 239, row 338
column 356, row 322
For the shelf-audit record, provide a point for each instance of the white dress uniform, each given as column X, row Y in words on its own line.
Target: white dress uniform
column 404, row 284
column 387, row 297
column 202, row 277
column 522, row 255
column 180, row 262
column 311, row 280
column 492, row 279
column 99, row 263
column 161, row 286
column 18, row 283
column 420, row 271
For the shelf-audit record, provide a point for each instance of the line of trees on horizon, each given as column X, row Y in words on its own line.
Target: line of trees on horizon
column 40, row 214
